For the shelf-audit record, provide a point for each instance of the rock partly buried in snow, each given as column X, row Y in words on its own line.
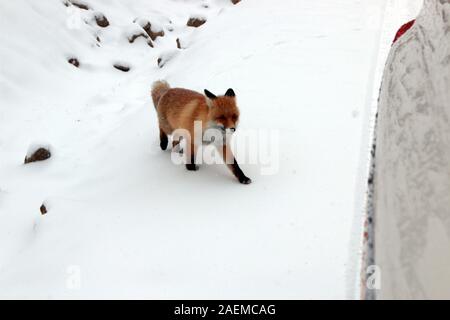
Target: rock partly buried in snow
column 181, row 44
column 135, row 36
column 101, row 20
column 196, row 22
column 79, row 4
column 153, row 34
column 122, row 67
column 74, row 61
column 38, row 153
column 43, row 209
column 235, row 1
column 152, row 31
column 136, row 32
column 166, row 57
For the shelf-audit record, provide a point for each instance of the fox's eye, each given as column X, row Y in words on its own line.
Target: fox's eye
column 234, row 117
column 221, row 118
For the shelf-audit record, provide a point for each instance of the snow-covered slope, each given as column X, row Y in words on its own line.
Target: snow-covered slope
column 123, row 221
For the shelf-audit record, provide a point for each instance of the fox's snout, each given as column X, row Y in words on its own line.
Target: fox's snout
column 226, row 125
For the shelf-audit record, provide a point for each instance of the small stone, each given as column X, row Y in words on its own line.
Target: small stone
column 166, row 57
column 152, row 34
column 74, row 61
column 235, row 1
column 43, row 209
column 137, row 35
column 40, row 154
column 195, row 22
column 178, row 43
column 101, row 20
column 133, row 38
column 122, row 67
column 79, row 4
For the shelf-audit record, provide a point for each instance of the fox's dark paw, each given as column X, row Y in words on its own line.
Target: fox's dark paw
column 245, row 180
column 163, row 145
column 192, row 167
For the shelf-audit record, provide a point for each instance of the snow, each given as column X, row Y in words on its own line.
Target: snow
column 124, row 221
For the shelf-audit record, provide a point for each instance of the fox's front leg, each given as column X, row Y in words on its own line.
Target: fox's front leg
column 232, row 164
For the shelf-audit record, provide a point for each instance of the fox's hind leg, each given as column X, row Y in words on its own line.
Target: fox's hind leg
column 190, row 156
column 164, row 140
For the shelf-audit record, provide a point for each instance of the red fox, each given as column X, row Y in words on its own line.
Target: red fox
column 179, row 108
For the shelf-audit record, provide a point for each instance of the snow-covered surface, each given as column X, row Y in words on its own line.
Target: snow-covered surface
column 412, row 168
column 123, row 220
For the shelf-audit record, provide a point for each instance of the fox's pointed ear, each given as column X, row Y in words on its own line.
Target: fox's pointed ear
column 210, row 94
column 230, row 93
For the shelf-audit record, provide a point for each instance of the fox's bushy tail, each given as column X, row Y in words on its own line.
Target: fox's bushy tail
column 158, row 89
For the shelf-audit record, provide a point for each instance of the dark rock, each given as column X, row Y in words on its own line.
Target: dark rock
column 166, row 57
column 74, row 61
column 101, row 20
column 178, row 43
column 43, row 209
column 40, row 154
column 122, row 67
column 79, row 4
column 137, row 35
column 195, row 22
column 235, row 1
column 153, row 35
column 143, row 35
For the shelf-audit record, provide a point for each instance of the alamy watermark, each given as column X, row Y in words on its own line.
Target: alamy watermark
column 255, row 147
